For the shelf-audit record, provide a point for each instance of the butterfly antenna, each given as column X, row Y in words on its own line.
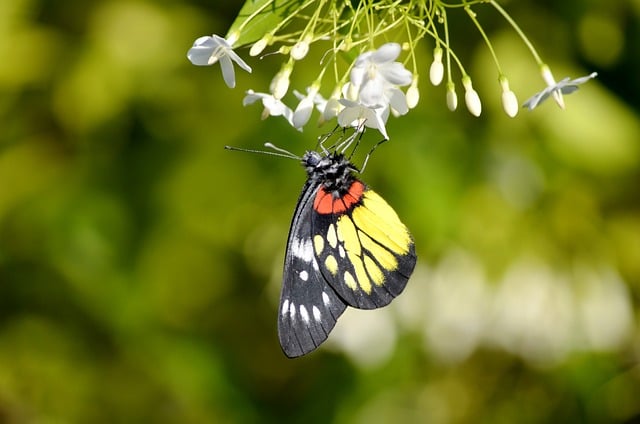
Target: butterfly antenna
column 281, row 151
column 277, row 151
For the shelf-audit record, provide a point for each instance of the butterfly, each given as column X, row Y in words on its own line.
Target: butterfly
column 346, row 247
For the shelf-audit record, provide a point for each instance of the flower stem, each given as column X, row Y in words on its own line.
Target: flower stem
column 520, row 33
column 472, row 16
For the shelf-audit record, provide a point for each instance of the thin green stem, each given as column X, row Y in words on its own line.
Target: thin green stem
column 254, row 14
column 472, row 15
column 515, row 26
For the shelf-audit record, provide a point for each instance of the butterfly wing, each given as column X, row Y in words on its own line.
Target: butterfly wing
column 309, row 306
column 362, row 248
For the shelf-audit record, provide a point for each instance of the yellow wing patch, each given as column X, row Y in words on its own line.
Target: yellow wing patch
column 382, row 255
column 331, row 236
column 348, row 235
column 376, row 218
column 361, row 274
column 350, row 281
column 371, row 239
column 318, row 243
column 331, row 264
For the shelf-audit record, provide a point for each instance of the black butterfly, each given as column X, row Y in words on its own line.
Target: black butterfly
column 346, row 247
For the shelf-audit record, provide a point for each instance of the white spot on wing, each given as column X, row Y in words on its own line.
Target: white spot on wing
column 316, row 313
column 341, row 251
column 304, row 314
column 302, row 249
column 325, row 299
column 285, row 307
column 304, row 275
column 292, row 310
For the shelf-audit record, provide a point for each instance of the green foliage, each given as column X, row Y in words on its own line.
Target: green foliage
column 264, row 14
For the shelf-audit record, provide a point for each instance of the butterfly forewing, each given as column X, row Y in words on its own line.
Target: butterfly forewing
column 309, row 307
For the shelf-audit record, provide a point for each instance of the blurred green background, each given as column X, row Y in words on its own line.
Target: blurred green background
column 140, row 263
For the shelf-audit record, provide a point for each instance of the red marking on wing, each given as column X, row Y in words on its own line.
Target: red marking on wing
column 324, row 202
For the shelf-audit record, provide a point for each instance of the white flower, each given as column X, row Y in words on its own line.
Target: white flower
column 356, row 115
column 375, row 71
column 303, row 111
column 566, row 86
column 272, row 106
column 208, row 50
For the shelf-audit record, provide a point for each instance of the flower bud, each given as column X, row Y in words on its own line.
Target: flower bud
column 471, row 97
column 258, row 46
column 413, row 95
column 436, row 71
column 280, row 83
column 452, row 98
column 300, row 49
column 509, row 99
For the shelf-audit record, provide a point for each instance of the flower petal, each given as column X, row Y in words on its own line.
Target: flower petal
column 201, row 52
column 375, row 119
column 303, row 112
column 396, row 74
column 357, row 76
column 398, row 101
column 386, row 53
column 251, row 97
column 372, row 93
column 363, row 59
column 228, row 74
column 220, row 41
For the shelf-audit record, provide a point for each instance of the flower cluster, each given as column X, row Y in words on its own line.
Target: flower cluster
column 368, row 89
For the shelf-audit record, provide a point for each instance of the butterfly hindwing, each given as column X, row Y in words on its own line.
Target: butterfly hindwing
column 362, row 248
column 309, row 307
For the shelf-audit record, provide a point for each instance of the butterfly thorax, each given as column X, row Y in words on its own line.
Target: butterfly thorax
column 333, row 171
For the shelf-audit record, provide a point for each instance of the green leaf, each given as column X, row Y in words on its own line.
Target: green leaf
column 262, row 17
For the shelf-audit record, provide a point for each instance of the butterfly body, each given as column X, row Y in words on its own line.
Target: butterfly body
column 346, row 247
